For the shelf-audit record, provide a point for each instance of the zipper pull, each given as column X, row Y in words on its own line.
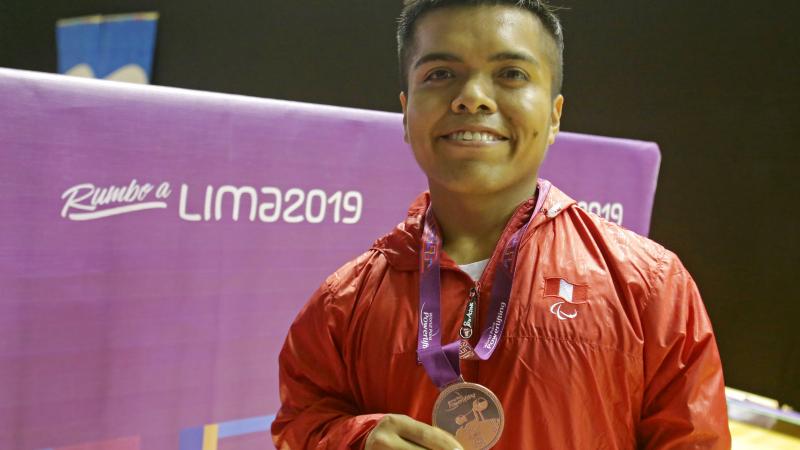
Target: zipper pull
column 470, row 313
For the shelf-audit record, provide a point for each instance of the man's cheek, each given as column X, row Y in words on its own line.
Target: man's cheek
column 427, row 104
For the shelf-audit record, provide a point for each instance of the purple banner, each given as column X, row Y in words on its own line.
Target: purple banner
column 613, row 178
column 156, row 243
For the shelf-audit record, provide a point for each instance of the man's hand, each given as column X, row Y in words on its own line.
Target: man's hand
column 395, row 431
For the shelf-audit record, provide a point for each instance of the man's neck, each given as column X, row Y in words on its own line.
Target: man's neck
column 472, row 224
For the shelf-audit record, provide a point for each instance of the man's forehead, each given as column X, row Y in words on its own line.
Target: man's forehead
column 484, row 29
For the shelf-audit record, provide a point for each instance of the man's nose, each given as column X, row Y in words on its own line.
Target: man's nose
column 474, row 97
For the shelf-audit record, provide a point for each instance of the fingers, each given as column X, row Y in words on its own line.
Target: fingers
column 396, row 431
column 426, row 435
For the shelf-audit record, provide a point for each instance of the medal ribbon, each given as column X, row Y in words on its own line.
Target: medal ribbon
column 442, row 362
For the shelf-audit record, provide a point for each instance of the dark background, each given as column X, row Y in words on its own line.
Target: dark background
column 714, row 83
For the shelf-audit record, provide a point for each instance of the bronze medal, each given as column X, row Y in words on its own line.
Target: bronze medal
column 471, row 413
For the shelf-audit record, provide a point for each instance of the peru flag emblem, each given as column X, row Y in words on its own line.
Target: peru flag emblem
column 567, row 294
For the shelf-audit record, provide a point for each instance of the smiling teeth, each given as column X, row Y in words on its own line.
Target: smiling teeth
column 473, row 136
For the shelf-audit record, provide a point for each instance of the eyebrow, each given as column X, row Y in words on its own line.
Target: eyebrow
column 502, row 56
column 518, row 56
column 436, row 56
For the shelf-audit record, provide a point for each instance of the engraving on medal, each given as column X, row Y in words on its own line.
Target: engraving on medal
column 471, row 413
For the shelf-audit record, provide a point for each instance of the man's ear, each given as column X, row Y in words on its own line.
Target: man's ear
column 404, row 105
column 555, row 119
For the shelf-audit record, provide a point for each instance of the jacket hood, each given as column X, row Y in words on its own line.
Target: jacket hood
column 401, row 245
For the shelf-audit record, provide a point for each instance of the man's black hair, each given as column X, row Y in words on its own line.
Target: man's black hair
column 413, row 10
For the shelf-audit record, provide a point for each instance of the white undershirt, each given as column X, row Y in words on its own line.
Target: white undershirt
column 474, row 270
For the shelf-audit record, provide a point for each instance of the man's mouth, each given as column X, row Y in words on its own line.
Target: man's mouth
column 474, row 136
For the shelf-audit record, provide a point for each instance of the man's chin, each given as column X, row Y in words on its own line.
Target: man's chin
column 474, row 185
column 471, row 187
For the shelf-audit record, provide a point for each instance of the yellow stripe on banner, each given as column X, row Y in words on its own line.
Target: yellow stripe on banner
column 147, row 15
column 751, row 437
column 210, row 437
column 83, row 20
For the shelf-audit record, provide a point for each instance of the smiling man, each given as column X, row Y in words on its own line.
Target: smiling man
column 498, row 314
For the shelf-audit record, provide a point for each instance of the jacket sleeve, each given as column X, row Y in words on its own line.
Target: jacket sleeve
column 318, row 410
column 684, row 394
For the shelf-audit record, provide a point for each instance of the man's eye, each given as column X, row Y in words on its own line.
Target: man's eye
column 514, row 74
column 439, row 74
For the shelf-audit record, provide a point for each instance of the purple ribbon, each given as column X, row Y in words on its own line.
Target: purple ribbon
column 442, row 362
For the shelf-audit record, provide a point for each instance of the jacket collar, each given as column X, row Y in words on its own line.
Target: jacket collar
column 401, row 246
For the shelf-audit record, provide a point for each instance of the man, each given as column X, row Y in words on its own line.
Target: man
column 588, row 336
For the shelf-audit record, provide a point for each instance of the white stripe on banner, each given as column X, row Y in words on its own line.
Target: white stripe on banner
column 117, row 211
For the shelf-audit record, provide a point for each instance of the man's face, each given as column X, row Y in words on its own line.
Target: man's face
column 479, row 112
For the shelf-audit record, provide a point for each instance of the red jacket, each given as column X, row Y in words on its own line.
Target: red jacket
column 635, row 366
